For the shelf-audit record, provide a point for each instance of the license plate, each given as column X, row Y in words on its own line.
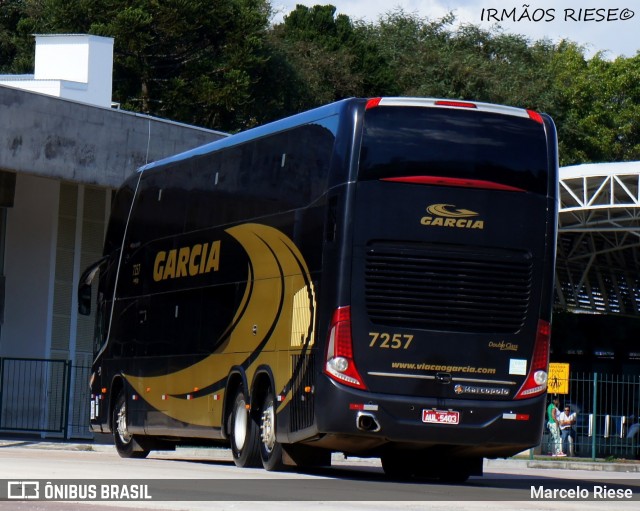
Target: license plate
column 440, row 417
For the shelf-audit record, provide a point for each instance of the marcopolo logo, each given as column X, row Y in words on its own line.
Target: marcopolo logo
column 447, row 215
column 481, row 391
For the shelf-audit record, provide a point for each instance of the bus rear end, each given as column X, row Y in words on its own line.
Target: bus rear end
column 442, row 345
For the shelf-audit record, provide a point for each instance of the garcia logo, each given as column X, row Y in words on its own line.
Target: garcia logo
column 446, row 215
column 186, row 261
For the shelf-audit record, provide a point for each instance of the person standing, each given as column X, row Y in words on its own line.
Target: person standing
column 554, row 428
column 567, row 420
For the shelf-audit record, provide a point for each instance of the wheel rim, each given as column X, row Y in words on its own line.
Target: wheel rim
column 267, row 428
column 240, row 422
column 121, row 424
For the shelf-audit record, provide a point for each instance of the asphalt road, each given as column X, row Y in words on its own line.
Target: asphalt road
column 199, row 479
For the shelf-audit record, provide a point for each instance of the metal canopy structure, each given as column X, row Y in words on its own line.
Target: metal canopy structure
column 599, row 238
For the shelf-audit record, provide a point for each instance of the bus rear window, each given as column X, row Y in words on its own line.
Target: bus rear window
column 449, row 143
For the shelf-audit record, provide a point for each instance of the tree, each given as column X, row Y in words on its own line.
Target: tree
column 219, row 64
column 195, row 61
column 596, row 107
column 16, row 52
column 431, row 58
column 319, row 47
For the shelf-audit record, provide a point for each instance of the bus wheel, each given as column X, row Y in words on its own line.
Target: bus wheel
column 270, row 448
column 243, row 434
column 125, row 443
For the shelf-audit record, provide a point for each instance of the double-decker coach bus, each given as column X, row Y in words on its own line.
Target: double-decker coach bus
column 372, row 277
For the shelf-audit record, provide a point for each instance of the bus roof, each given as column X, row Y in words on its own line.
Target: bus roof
column 332, row 109
column 254, row 133
column 455, row 104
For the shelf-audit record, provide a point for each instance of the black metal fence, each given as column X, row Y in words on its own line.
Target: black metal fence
column 52, row 397
column 44, row 396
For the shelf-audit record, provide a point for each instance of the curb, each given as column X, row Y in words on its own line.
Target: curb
column 224, row 454
column 570, row 464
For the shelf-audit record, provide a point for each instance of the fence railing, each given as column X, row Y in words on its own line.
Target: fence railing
column 44, row 396
column 52, row 397
column 608, row 415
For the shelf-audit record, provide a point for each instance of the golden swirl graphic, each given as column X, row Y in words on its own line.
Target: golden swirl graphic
column 441, row 210
column 277, row 273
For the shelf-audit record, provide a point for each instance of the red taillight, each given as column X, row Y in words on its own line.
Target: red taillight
column 372, row 103
column 456, row 104
column 535, row 116
column 536, row 382
column 339, row 364
column 453, row 181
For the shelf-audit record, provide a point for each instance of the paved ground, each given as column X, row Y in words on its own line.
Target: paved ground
column 202, row 479
column 524, row 460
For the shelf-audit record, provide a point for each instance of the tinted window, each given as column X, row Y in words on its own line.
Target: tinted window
column 410, row 141
column 276, row 173
column 161, row 203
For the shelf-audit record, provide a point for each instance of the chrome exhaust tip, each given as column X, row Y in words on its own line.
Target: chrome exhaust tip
column 367, row 422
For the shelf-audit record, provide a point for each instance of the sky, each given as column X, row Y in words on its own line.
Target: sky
column 609, row 26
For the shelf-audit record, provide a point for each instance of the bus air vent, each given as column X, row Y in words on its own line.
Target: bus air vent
column 433, row 288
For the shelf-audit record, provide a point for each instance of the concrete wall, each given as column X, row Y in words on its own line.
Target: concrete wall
column 70, row 141
column 46, row 141
column 29, row 265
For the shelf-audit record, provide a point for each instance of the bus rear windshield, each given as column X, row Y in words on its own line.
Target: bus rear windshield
column 460, row 144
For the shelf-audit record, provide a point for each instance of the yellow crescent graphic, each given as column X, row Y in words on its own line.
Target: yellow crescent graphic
column 277, row 272
column 441, row 210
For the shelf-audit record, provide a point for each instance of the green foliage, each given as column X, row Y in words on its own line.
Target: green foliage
column 194, row 61
column 220, row 64
column 598, row 107
column 318, row 48
column 16, row 51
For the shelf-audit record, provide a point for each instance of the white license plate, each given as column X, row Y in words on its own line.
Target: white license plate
column 440, row 417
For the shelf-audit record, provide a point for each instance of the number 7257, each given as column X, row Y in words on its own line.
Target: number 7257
column 392, row 341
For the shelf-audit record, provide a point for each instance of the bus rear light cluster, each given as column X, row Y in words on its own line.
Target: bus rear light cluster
column 535, row 116
column 536, row 382
column 455, row 104
column 372, row 103
column 454, row 182
column 339, row 363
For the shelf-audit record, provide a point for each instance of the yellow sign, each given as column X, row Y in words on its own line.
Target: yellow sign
column 558, row 378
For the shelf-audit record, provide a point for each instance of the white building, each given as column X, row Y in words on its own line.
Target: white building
column 70, row 66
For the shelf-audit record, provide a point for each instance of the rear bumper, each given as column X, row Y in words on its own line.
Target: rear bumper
column 484, row 428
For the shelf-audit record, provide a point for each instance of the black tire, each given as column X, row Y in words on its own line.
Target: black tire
column 125, row 442
column 270, row 448
column 243, row 434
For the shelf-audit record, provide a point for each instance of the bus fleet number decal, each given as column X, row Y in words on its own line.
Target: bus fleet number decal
column 393, row 341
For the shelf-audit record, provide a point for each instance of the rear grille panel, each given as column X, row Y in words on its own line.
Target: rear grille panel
column 302, row 402
column 446, row 289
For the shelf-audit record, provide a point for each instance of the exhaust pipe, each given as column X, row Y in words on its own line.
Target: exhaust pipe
column 367, row 422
